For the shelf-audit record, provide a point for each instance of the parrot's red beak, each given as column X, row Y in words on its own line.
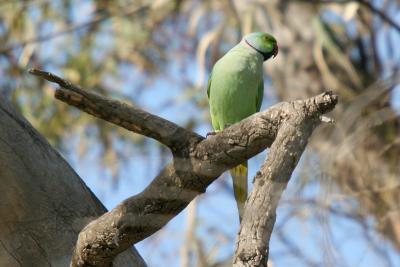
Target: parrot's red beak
column 275, row 51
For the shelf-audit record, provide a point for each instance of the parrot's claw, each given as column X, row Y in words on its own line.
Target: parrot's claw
column 211, row 133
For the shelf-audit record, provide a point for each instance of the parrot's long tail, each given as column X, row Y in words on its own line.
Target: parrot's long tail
column 239, row 178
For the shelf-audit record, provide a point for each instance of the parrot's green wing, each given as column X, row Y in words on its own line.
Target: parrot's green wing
column 209, row 85
column 214, row 120
column 260, row 95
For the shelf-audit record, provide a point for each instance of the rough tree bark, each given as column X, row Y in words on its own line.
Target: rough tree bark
column 197, row 162
column 260, row 209
column 43, row 202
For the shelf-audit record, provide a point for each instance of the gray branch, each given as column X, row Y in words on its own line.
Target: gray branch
column 260, row 209
column 197, row 162
column 119, row 113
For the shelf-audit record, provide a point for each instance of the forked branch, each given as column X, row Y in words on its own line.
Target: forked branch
column 197, row 162
column 252, row 245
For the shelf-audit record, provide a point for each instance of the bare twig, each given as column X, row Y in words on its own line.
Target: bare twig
column 196, row 164
column 380, row 13
column 73, row 28
column 367, row 3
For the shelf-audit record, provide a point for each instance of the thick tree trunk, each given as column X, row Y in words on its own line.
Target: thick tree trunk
column 43, row 202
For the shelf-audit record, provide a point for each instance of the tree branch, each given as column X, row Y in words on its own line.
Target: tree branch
column 269, row 183
column 195, row 165
column 121, row 114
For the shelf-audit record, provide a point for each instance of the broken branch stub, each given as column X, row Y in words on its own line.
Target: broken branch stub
column 252, row 245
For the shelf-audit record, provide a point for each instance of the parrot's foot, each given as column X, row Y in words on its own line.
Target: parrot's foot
column 211, row 133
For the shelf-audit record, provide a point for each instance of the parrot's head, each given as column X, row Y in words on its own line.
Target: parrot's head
column 263, row 43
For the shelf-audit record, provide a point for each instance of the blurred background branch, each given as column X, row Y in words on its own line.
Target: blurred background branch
column 101, row 17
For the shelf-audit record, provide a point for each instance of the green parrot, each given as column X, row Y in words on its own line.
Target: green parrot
column 235, row 91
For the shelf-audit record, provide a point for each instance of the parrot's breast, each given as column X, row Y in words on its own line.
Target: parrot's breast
column 234, row 88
